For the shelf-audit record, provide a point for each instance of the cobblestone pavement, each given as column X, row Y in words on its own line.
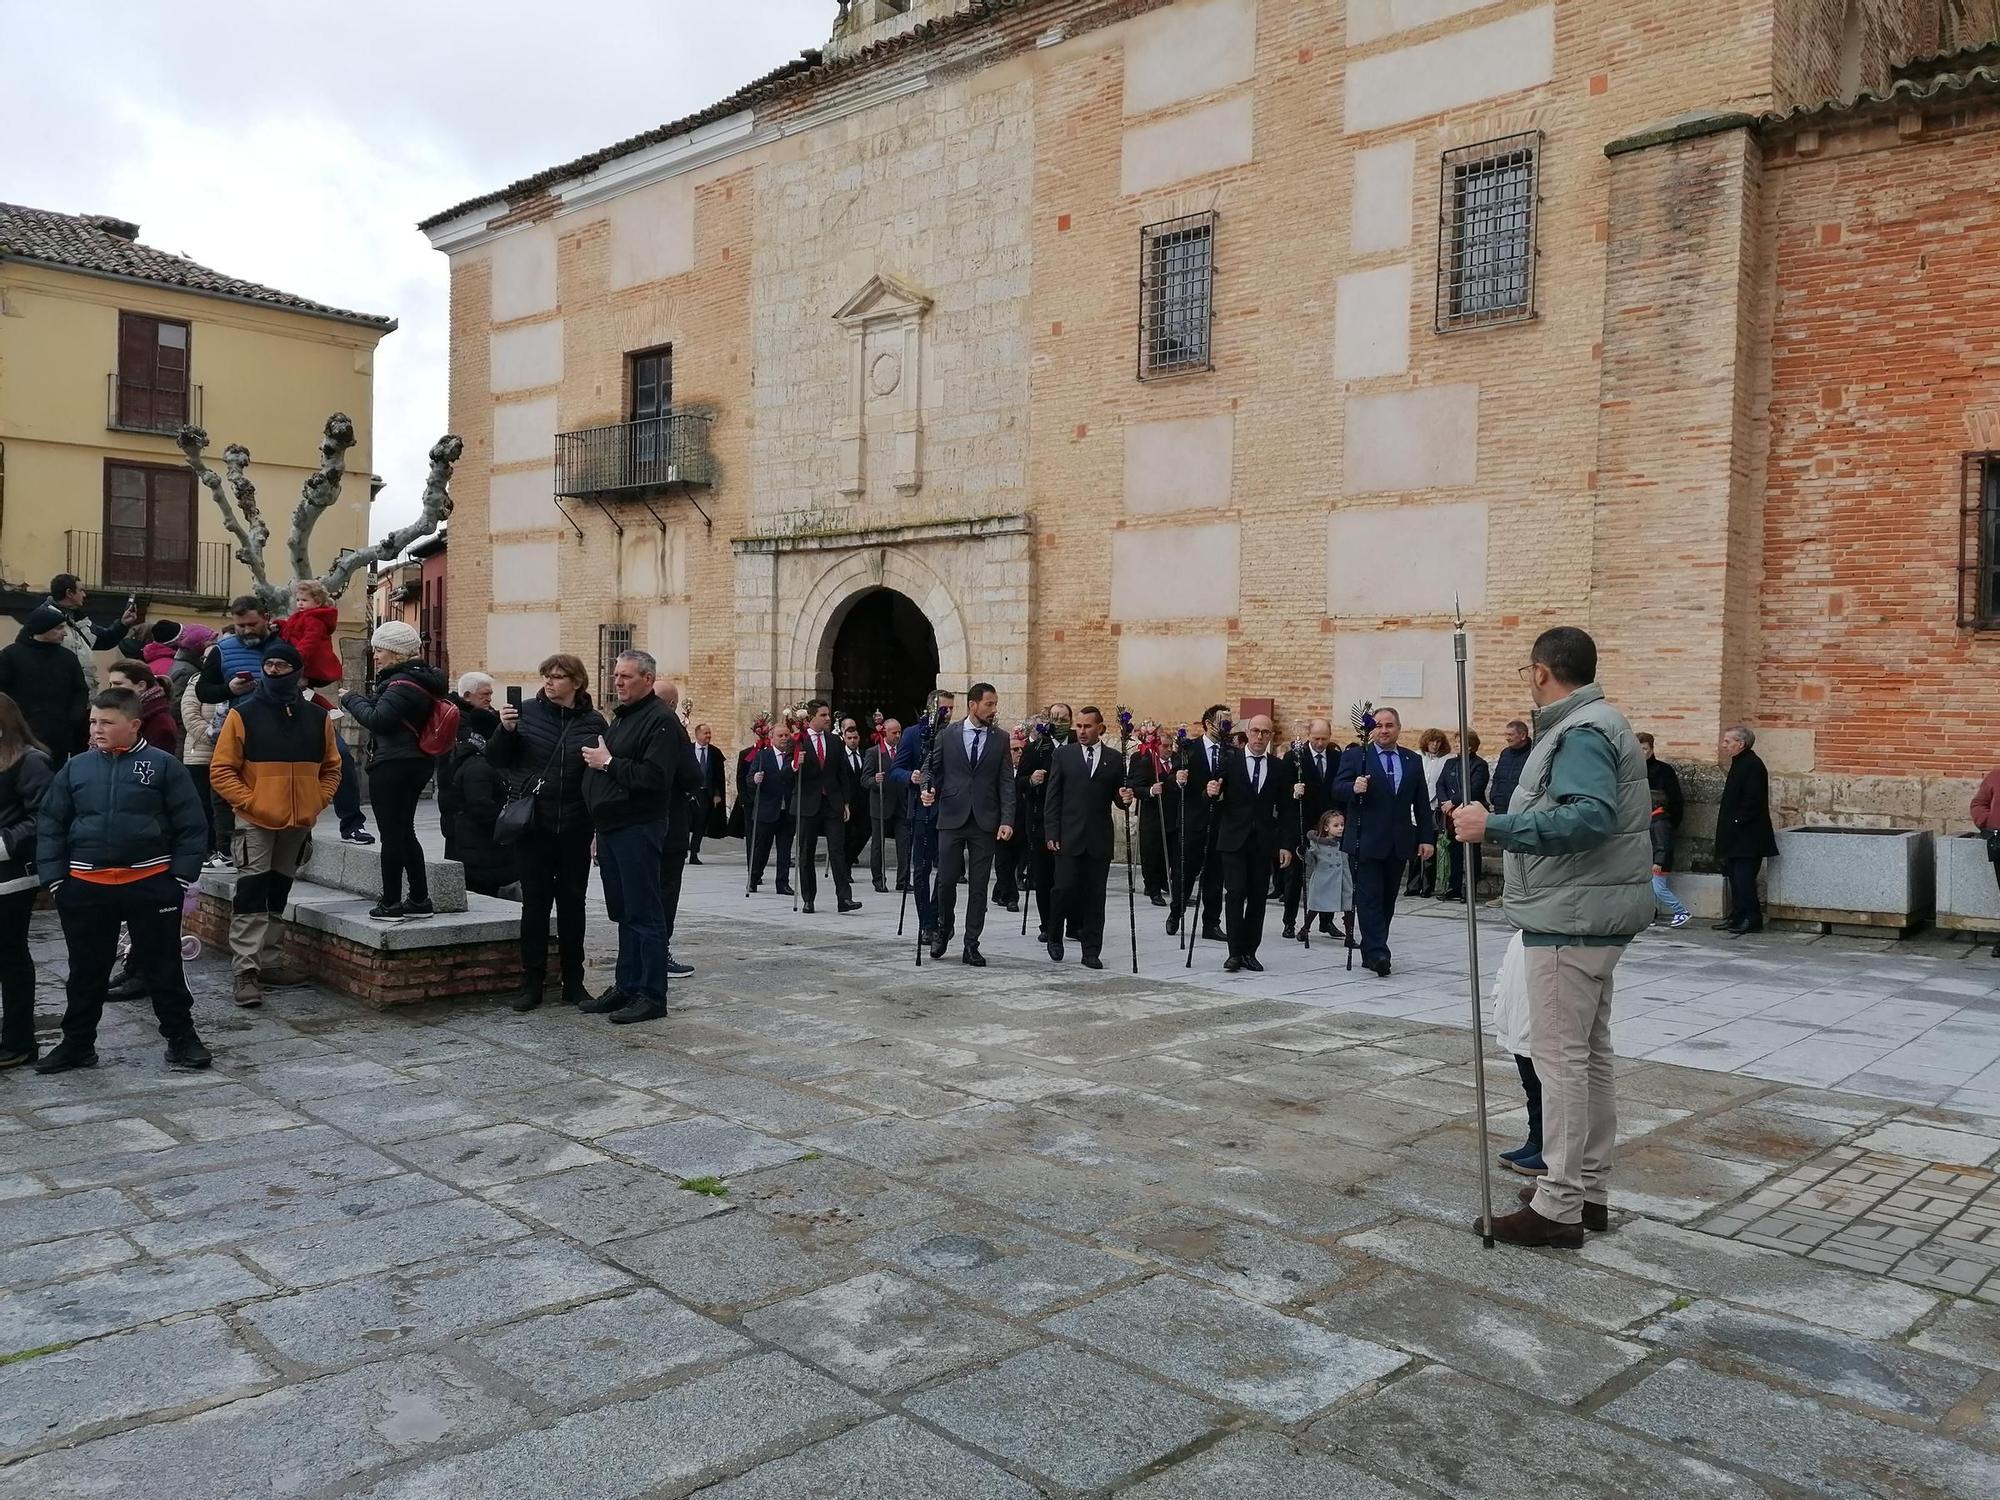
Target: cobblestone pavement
column 846, row 1227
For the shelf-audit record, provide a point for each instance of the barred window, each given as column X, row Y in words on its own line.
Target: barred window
column 1979, row 542
column 613, row 641
column 1176, row 279
column 1486, row 232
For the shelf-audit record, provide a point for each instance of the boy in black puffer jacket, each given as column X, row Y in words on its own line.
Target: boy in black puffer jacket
column 119, row 838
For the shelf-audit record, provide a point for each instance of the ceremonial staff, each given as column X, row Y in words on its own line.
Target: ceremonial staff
column 1177, row 887
column 1362, row 716
column 761, row 728
column 909, row 877
column 1472, row 940
column 1024, row 862
column 1222, row 728
column 1151, row 745
column 798, row 802
column 877, row 790
column 933, row 755
column 1304, row 875
column 1131, row 896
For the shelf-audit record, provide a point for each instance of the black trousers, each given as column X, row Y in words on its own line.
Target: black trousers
column 151, row 912
column 1203, row 874
column 1079, row 898
column 1152, row 848
column 1461, row 855
column 966, row 852
column 1531, row 1085
column 395, row 788
column 205, row 793
column 1007, row 871
column 1376, row 885
column 861, row 839
column 1246, row 880
column 555, row 871
column 1745, row 910
column 17, row 972
column 673, row 865
column 830, row 824
column 778, row 832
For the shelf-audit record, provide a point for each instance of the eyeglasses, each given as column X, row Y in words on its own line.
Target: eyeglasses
column 1525, row 673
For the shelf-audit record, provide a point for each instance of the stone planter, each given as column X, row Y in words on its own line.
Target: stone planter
column 1967, row 898
column 1861, row 882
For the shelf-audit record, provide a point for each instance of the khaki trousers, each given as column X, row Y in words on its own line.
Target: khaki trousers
column 1569, row 1017
column 266, row 860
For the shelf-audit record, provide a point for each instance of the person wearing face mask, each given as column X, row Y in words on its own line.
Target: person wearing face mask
column 277, row 766
column 1036, row 865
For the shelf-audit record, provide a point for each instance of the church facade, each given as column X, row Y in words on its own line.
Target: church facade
column 1165, row 352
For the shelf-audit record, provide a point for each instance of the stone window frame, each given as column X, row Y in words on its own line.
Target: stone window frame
column 1180, row 339
column 1979, row 541
column 1489, row 200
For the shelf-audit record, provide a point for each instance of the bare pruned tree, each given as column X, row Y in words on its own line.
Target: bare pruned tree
column 235, row 495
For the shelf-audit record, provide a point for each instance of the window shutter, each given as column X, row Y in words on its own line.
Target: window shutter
column 138, row 346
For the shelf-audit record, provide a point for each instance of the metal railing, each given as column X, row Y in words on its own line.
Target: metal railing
column 207, row 574
column 139, row 413
column 629, row 458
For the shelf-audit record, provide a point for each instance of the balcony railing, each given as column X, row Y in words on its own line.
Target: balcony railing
column 630, row 458
column 198, row 572
column 137, row 408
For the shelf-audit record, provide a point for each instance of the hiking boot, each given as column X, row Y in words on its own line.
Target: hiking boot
column 186, row 1051
column 249, row 989
column 66, row 1055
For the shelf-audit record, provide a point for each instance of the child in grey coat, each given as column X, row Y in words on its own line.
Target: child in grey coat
column 1329, row 876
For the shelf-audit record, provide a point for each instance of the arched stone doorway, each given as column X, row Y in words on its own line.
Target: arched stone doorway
column 882, row 655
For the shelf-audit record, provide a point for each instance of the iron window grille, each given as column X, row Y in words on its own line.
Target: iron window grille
column 1176, row 296
column 613, row 641
column 1979, row 542
column 1486, row 232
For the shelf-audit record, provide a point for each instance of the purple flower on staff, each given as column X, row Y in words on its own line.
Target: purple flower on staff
column 1224, row 725
column 1180, row 737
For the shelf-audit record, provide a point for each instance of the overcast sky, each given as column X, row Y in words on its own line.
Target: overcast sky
column 298, row 145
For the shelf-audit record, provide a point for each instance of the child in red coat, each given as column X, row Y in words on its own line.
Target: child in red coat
column 309, row 628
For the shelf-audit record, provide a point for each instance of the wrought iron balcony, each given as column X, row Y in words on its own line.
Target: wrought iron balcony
column 634, row 458
column 130, row 407
column 189, row 571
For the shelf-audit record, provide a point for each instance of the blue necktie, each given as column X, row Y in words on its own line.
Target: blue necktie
column 1393, row 770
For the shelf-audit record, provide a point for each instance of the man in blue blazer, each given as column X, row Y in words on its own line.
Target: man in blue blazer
column 906, row 776
column 1388, row 819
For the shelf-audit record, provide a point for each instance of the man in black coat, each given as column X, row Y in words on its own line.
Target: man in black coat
column 974, row 798
column 1316, row 763
column 1255, row 822
column 1450, row 798
column 41, row 675
column 1149, row 775
column 712, row 820
column 826, row 792
column 885, row 827
column 1086, row 777
column 1199, row 763
column 1744, row 837
column 1507, row 764
column 764, row 794
column 1388, row 820
column 1036, row 865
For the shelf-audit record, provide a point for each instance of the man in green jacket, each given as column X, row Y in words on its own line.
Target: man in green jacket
column 1579, row 886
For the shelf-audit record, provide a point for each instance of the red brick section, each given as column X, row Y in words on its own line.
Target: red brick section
column 1885, row 370
column 377, row 977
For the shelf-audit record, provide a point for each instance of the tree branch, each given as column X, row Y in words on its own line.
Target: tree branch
column 320, row 491
column 437, row 510
column 251, row 530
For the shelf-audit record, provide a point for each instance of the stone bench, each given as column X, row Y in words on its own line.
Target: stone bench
column 357, row 868
column 474, row 950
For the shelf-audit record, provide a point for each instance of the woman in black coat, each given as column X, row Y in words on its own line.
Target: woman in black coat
column 25, row 774
column 42, row 676
column 540, row 748
column 1449, row 797
column 1744, row 837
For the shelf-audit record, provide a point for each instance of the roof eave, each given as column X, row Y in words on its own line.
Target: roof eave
column 331, row 315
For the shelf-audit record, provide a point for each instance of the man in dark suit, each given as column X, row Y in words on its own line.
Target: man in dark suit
column 974, row 799
column 1744, row 835
column 1388, row 820
column 826, row 792
column 1086, row 777
column 1031, row 775
column 765, row 788
column 1251, row 802
column 1200, row 762
column 1316, row 764
column 710, row 823
column 906, row 779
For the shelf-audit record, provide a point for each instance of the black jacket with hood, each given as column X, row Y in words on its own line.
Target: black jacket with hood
column 394, row 714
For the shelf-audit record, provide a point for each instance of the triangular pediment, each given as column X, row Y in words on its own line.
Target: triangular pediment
column 882, row 296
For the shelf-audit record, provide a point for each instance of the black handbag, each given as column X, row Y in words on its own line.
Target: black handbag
column 517, row 817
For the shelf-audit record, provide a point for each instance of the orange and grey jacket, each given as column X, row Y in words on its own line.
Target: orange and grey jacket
column 275, row 762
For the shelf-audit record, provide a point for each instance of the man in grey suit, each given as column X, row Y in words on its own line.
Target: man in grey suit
column 974, row 798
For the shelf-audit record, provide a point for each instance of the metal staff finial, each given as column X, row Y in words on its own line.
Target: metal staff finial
column 1458, row 651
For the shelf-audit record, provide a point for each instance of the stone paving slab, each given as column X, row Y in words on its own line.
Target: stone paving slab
column 495, row 1154
column 602, row 1348
column 890, row 1459
column 701, row 1147
column 52, row 1259
column 107, row 1301
column 339, row 1252
column 1019, row 1269
column 735, row 1259
column 1242, row 1258
column 1267, row 1467
column 606, row 1201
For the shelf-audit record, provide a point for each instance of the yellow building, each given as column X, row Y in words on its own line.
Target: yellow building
column 106, row 347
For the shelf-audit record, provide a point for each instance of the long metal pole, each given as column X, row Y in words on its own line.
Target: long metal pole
column 1472, row 943
column 1131, row 892
column 756, row 819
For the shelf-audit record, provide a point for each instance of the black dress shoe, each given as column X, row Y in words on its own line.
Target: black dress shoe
column 1727, row 924
column 1156, row 898
column 1174, row 925
column 64, row 1056
column 573, row 992
column 1041, row 935
column 973, row 957
column 882, row 887
column 783, row 889
column 1250, row 963
column 694, row 859
column 527, row 997
column 1380, row 966
column 807, row 908
column 186, row 1051
column 638, row 1010
column 1092, row 961
column 938, row 943
column 1231, row 964
column 848, row 906
column 1055, row 947
column 1749, row 927
column 1290, row 931
column 1213, row 934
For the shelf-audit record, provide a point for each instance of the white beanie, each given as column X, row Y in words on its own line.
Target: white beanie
column 396, row 636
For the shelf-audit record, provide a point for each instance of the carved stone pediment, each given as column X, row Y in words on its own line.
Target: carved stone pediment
column 883, row 296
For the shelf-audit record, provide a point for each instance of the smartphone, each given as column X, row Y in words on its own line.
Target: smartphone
column 514, row 697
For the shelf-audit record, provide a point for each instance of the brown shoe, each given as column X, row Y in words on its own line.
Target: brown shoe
column 283, row 977
column 1596, row 1216
column 249, row 990
column 1530, row 1229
